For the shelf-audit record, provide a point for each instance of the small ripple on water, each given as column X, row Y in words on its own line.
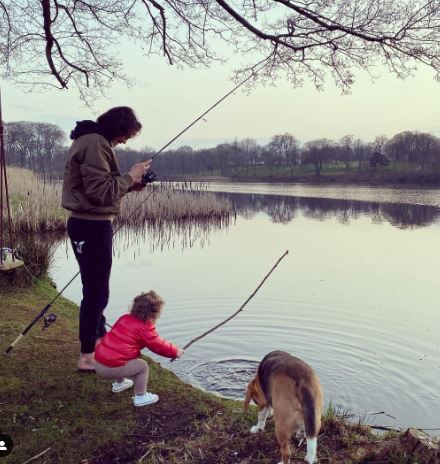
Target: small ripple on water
column 227, row 377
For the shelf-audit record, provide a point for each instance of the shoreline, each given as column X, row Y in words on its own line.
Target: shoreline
column 322, row 181
column 47, row 406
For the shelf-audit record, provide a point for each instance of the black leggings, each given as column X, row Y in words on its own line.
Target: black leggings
column 92, row 244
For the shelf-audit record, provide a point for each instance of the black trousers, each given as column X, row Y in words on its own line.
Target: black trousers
column 92, row 244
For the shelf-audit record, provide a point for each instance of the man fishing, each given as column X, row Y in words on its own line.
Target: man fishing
column 92, row 191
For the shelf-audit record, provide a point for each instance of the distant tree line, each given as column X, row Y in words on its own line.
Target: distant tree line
column 34, row 145
column 41, row 147
column 414, row 149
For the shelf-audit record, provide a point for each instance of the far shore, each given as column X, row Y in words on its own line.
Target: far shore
column 409, row 181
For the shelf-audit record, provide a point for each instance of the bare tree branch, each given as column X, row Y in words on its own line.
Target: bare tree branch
column 50, row 42
column 76, row 41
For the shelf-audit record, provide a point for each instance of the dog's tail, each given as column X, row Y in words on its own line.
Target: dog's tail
column 311, row 396
column 247, row 398
column 312, row 410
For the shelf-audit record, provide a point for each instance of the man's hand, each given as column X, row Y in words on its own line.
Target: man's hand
column 138, row 170
column 137, row 188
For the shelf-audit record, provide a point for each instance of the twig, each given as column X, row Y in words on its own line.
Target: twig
column 38, row 455
column 143, row 456
column 384, row 427
column 382, row 412
column 54, row 339
column 421, row 428
column 239, row 310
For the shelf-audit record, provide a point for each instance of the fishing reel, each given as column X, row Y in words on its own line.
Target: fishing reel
column 148, row 178
column 49, row 320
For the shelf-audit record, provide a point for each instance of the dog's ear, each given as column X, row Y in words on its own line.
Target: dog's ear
column 248, row 397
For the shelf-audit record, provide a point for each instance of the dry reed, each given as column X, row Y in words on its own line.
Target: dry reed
column 36, row 204
column 173, row 204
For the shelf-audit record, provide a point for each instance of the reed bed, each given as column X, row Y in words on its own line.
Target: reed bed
column 170, row 203
column 36, row 204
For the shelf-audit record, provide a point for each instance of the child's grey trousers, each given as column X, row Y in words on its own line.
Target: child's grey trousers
column 136, row 368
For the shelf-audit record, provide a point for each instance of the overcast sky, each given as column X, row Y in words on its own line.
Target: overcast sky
column 166, row 99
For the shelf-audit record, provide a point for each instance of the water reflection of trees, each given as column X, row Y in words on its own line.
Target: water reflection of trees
column 283, row 209
column 162, row 235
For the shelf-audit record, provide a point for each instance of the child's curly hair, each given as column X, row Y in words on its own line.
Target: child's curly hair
column 147, row 306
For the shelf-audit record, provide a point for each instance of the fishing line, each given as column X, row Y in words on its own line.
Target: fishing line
column 48, row 306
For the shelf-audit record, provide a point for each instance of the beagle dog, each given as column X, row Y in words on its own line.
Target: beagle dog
column 290, row 389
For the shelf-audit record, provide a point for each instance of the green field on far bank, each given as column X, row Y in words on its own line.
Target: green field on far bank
column 399, row 173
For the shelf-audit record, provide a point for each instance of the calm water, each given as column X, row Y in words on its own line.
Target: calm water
column 357, row 296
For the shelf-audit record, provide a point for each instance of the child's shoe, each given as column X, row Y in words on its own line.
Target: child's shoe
column 145, row 399
column 118, row 387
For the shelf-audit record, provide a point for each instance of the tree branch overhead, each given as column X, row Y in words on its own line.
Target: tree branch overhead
column 75, row 42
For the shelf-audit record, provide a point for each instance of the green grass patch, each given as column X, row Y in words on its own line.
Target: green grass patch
column 332, row 172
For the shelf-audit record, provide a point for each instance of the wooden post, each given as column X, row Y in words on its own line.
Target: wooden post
column 1, row 183
column 12, row 263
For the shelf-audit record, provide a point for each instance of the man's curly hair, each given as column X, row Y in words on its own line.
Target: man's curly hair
column 147, row 306
column 120, row 121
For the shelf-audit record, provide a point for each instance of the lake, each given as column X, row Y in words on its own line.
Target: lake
column 356, row 297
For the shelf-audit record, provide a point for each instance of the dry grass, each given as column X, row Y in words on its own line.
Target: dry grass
column 36, row 204
column 173, row 204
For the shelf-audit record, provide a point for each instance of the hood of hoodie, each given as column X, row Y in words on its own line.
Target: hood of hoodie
column 89, row 127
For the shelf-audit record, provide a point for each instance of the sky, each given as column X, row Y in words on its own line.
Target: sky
column 166, row 99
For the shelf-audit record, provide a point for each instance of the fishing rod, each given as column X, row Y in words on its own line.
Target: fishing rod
column 148, row 177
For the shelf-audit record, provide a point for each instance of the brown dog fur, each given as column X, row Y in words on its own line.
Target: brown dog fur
column 292, row 389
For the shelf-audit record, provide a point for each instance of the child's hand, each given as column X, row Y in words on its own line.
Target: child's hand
column 178, row 354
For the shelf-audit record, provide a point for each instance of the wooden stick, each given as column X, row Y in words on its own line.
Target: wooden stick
column 143, row 456
column 38, row 455
column 239, row 310
column 55, row 339
column 381, row 412
column 384, row 427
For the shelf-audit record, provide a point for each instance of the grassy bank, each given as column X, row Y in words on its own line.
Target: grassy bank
column 46, row 405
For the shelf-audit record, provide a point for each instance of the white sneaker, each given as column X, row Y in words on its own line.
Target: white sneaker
column 118, row 387
column 145, row 399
